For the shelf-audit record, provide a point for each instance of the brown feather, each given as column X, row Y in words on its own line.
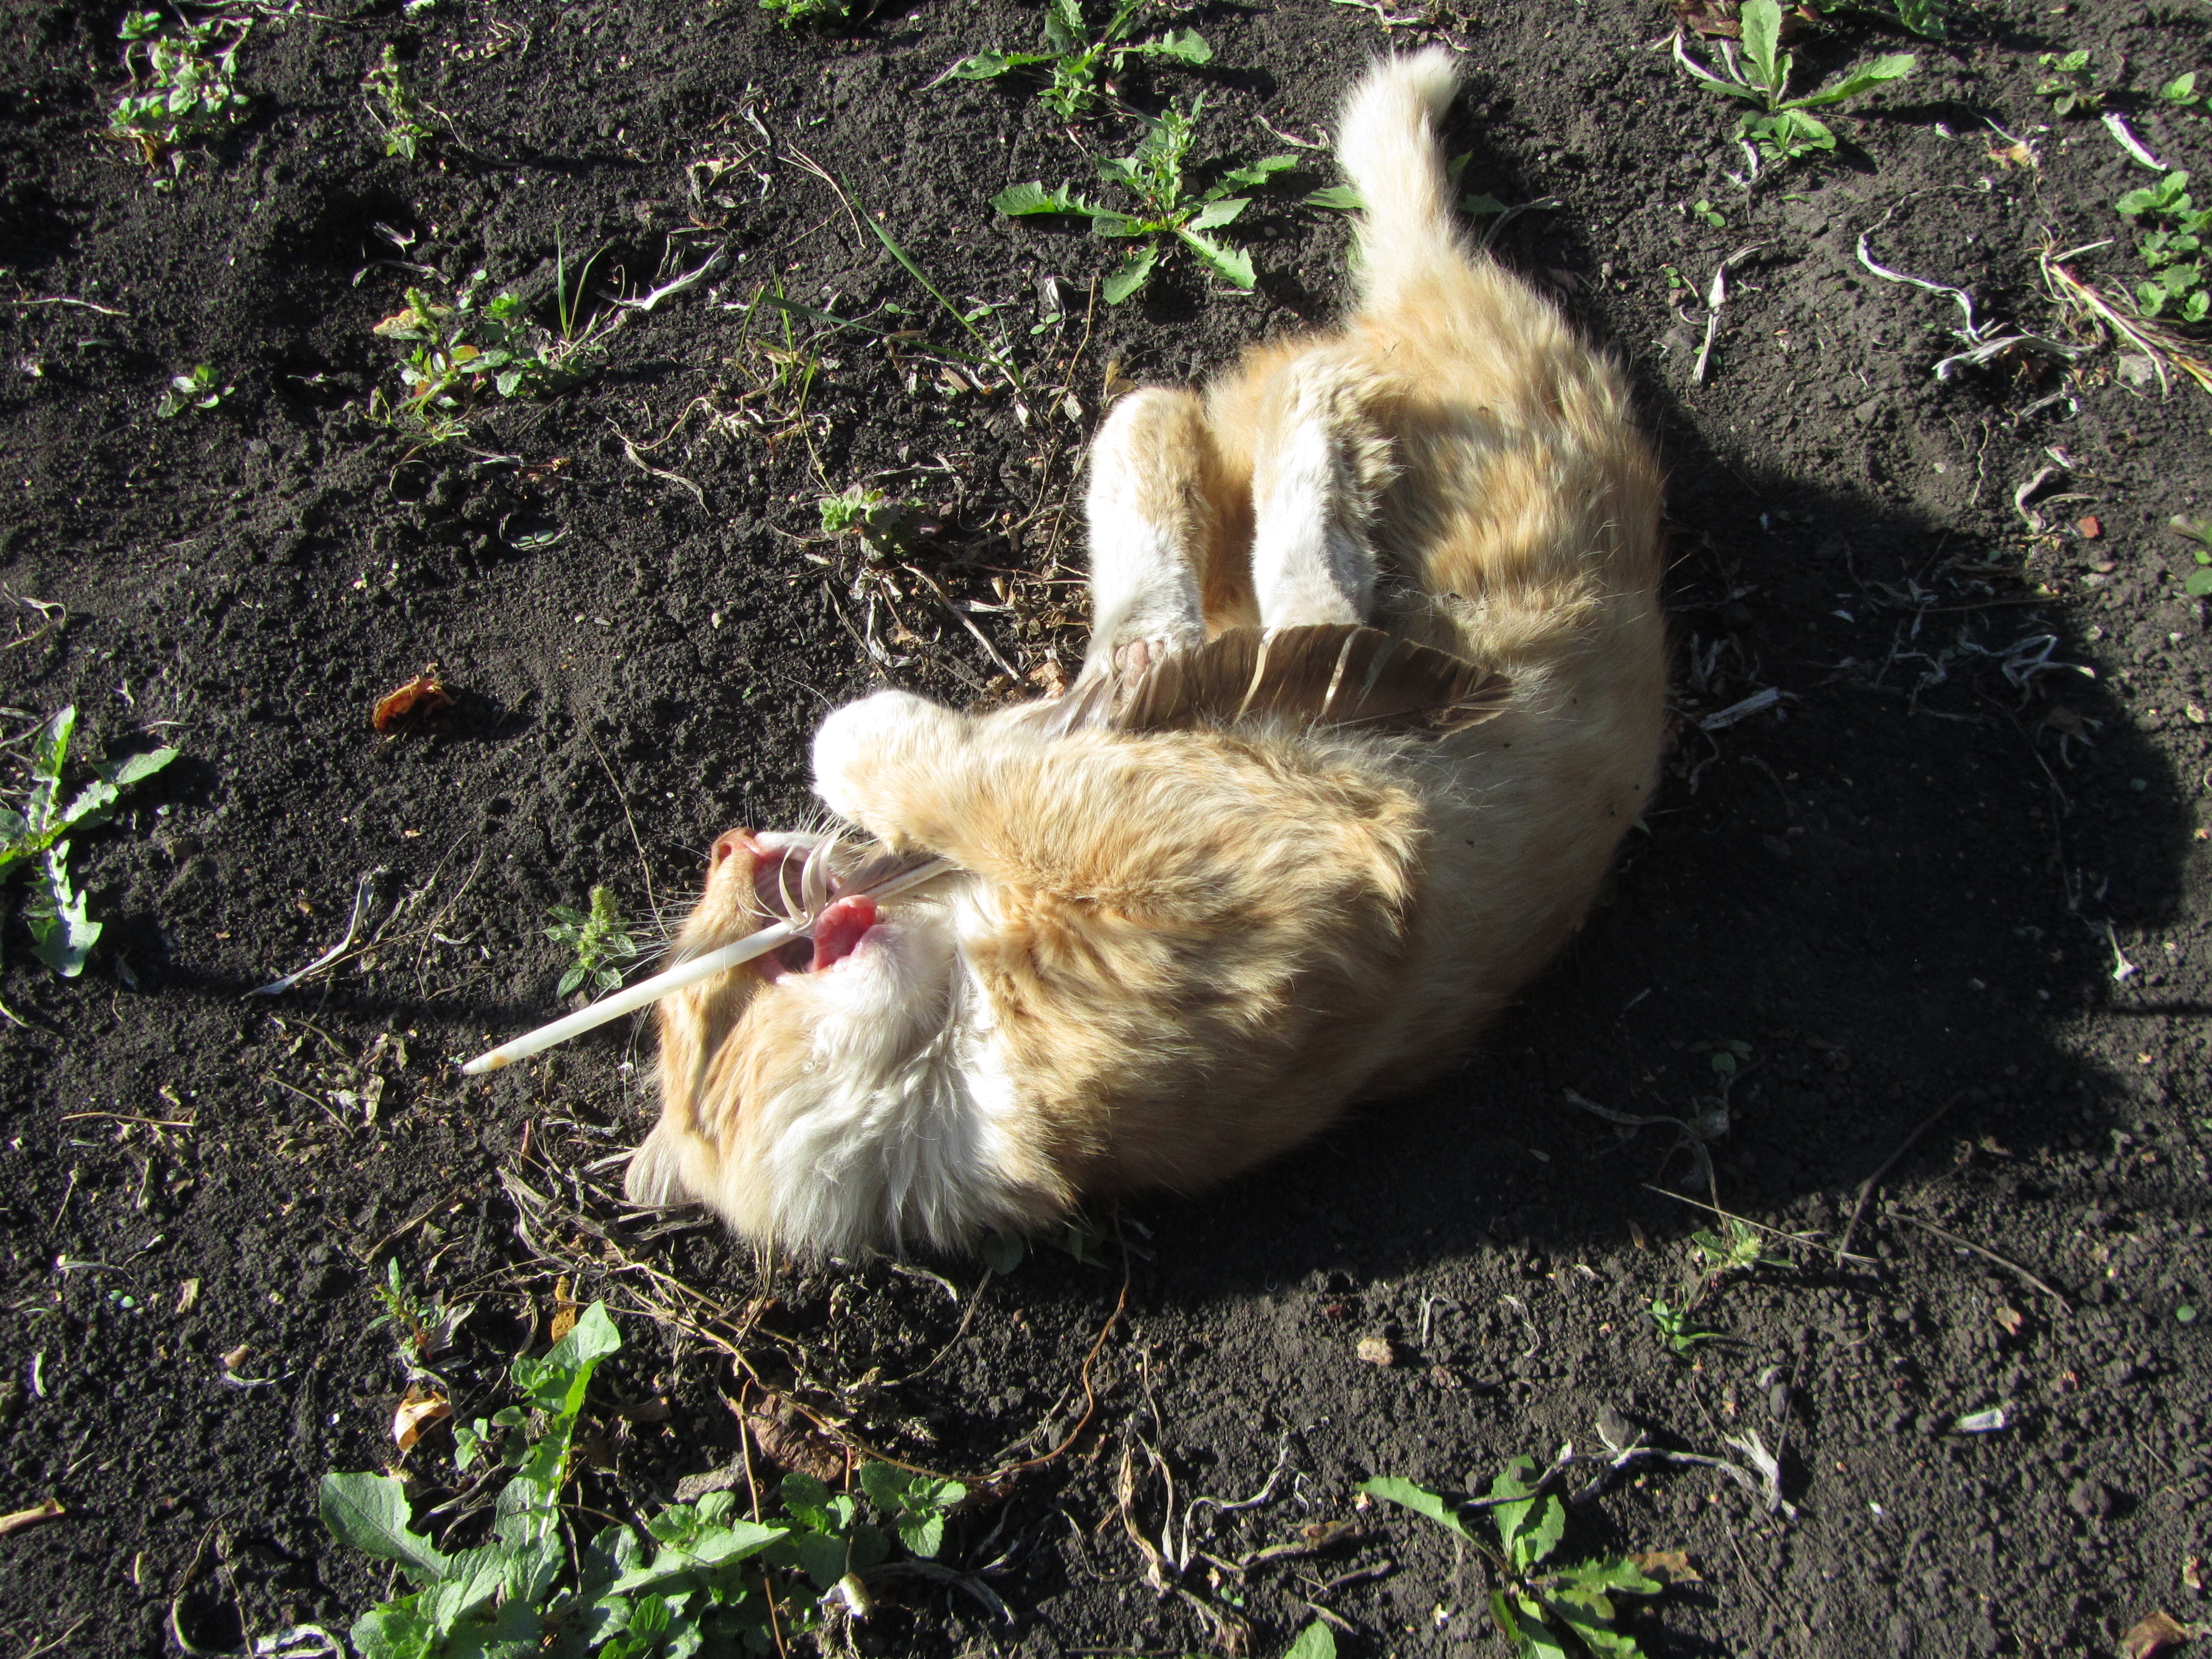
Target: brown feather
column 1327, row 674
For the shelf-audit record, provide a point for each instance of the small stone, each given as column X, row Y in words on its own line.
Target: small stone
column 2091, row 1500
column 2089, row 527
column 1377, row 1351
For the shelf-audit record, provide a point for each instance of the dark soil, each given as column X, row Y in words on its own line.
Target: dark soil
column 1918, row 883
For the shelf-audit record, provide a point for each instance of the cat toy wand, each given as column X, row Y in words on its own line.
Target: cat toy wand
column 648, row 991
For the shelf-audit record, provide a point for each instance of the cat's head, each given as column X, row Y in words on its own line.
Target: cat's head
column 835, row 1094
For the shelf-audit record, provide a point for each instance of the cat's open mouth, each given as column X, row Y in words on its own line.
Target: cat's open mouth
column 792, row 878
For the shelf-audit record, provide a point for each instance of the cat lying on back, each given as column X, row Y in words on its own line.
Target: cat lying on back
column 1219, row 892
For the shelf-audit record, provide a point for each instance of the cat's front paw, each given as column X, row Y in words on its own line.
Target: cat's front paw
column 856, row 744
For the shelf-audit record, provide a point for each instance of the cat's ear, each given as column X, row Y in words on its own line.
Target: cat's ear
column 656, row 1180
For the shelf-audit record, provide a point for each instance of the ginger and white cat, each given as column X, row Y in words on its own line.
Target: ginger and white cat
column 1169, row 954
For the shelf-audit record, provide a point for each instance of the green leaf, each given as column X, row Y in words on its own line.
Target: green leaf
column 62, row 934
column 370, row 1513
column 1419, row 1499
column 398, row 1630
column 1619, row 1574
column 1063, row 25
column 1316, row 1641
column 1214, row 213
column 1187, row 48
column 1340, row 199
column 2182, row 89
column 1536, row 1540
column 1019, row 201
column 1893, row 67
column 1232, row 264
column 1512, row 1482
column 1762, row 33
column 1134, row 272
column 717, row 1548
column 989, row 65
column 1255, row 177
column 2197, row 584
column 555, row 1382
column 1925, row 17
column 49, row 750
column 1003, row 1252
column 923, row 1536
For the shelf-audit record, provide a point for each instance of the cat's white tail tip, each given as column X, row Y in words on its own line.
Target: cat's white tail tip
column 1394, row 105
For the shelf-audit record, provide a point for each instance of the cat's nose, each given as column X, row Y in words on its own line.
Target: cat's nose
column 737, row 841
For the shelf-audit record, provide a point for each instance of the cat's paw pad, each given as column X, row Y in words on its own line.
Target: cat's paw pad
column 858, row 736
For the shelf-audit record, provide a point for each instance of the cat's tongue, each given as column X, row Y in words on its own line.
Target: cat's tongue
column 838, row 934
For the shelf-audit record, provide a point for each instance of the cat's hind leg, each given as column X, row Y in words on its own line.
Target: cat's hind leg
column 1155, row 506
column 1320, row 464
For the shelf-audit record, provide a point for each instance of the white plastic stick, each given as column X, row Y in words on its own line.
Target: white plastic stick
column 646, row 991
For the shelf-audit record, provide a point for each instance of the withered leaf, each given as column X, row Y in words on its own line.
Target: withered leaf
column 2156, row 1632
column 420, row 698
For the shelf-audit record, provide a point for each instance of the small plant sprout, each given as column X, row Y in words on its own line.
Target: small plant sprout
column 881, row 523
column 394, row 108
column 2068, row 82
column 1781, row 126
column 598, row 940
column 1544, row 1610
column 2172, row 254
column 2196, row 583
column 461, row 348
column 62, row 932
column 2181, row 90
column 1742, row 1251
column 1679, row 1333
column 695, row 1579
column 1726, row 1055
column 197, row 390
column 424, row 1328
column 1166, row 212
column 184, row 84
column 1079, row 59
column 793, row 13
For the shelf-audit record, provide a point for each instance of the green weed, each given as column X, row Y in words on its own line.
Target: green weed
column 882, row 524
column 1078, row 58
column 1742, row 1251
column 1782, row 128
column 184, row 82
column 2172, row 254
column 423, row 1326
column 1679, row 1333
column 62, row 932
column 394, row 108
column 460, row 348
column 699, row 1580
column 2180, row 91
column 598, row 940
column 1167, row 212
column 2197, row 583
column 197, row 390
column 1725, row 1054
column 2068, row 82
column 792, row 13
column 1538, row 1608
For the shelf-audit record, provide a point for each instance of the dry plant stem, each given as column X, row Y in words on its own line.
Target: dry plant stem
column 2052, row 1292
column 1774, row 1232
column 1866, row 1189
column 644, row 869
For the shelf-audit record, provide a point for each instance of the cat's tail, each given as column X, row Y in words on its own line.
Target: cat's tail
column 1388, row 146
